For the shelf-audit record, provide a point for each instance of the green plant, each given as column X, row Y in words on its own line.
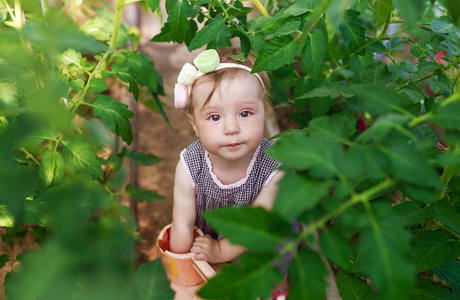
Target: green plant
column 62, row 153
column 374, row 171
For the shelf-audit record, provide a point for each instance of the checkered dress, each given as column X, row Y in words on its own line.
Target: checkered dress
column 212, row 194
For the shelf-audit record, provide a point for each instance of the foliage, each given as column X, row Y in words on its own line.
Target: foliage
column 373, row 174
column 62, row 155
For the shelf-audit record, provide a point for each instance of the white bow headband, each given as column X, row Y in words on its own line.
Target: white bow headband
column 207, row 61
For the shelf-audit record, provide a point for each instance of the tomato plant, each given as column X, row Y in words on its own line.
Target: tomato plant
column 63, row 143
column 373, row 173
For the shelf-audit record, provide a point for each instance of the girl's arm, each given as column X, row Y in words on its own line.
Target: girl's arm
column 214, row 251
column 184, row 212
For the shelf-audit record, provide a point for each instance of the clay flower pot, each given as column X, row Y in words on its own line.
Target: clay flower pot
column 180, row 268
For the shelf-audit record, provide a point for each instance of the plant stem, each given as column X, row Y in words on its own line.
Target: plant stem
column 364, row 197
column 29, row 155
column 260, row 7
column 446, row 175
column 312, row 18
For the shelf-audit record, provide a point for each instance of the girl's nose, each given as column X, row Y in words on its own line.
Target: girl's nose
column 231, row 126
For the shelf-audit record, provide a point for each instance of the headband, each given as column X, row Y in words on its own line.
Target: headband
column 206, row 62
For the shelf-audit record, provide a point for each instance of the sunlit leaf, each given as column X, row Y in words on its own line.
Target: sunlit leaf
column 79, row 154
column 51, row 168
column 98, row 85
column 70, row 56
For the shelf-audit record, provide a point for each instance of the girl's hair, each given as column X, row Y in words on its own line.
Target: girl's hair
column 225, row 55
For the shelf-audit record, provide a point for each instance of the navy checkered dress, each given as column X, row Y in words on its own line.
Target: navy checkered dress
column 212, row 194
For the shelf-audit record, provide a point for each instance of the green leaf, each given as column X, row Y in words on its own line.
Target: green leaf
column 252, row 227
column 39, row 136
column 178, row 12
column 353, row 32
column 443, row 25
column 51, row 168
column 447, row 214
column 307, row 276
column 8, row 94
column 449, row 272
column 385, row 255
column 382, row 11
column 208, row 33
column 376, row 73
column 301, row 7
column 141, row 195
column 79, row 154
column 153, row 5
column 275, row 53
column 151, row 282
column 300, row 152
column 411, row 166
column 340, row 126
column 412, row 212
column 335, row 246
column 333, row 90
column 125, row 75
column 353, row 288
column 297, row 193
column 6, row 219
column 396, row 43
column 70, row 56
column 435, row 249
column 382, row 127
column 39, row 211
column 140, row 158
column 254, row 277
column 411, row 10
column 447, row 115
column 77, row 84
column 288, row 28
column 98, row 85
column 427, row 290
column 378, row 99
column 313, row 52
column 115, row 114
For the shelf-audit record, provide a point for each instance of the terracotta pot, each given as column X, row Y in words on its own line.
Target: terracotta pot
column 179, row 268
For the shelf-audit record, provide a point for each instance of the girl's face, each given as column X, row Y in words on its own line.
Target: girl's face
column 230, row 126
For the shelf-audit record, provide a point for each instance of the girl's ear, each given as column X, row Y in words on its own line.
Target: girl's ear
column 191, row 120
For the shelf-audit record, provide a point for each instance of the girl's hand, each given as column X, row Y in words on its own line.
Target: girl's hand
column 206, row 248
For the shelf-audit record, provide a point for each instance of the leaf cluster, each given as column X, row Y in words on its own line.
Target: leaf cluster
column 63, row 161
column 373, row 175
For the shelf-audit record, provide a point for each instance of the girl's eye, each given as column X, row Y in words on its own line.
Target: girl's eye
column 214, row 118
column 245, row 114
